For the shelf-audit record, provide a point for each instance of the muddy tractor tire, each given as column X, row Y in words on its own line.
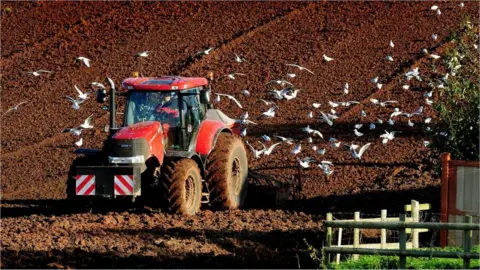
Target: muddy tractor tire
column 227, row 172
column 181, row 186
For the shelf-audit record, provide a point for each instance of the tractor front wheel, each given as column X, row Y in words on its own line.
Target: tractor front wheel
column 227, row 172
column 181, row 184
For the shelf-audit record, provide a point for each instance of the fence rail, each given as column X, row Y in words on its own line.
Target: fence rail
column 402, row 252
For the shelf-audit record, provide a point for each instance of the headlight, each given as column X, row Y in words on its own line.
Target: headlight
column 134, row 159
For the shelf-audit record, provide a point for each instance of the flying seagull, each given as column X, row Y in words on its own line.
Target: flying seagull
column 15, row 108
column 232, row 75
column 38, row 72
column 326, row 58
column 85, row 60
column 78, row 130
column 281, row 82
column 256, row 153
column 301, row 68
column 207, row 51
column 143, row 54
column 239, row 59
column 231, row 98
column 360, row 152
column 269, row 150
column 75, row 102
column 81, row 95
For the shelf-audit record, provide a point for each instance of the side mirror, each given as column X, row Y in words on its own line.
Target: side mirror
column 101, row 95
column 205, row 96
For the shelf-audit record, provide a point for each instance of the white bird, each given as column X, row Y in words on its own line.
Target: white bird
column 232, row 75
column 348, row 103
column 279, row 94
column 239, row 59
column 305, row 163
column 326, row 169
column 379, row 121
column 245, row 92
column 439, row 12
column 357, row 133
column 333, row 104
column 391, row 44
column 461, row 5
column 266, row 138
column 243, row 132
column 291, row 94
column 345, row 89
column 424, row 51
column 388, row 136
column 310, row 140
column 75, row 102
column 244, row 122
column 15, row 108
column 434, row 36
column 79, row 142
column 81, row 95
column 256, row 153
column 85, row 60
column 301, row 68
column 395, row 114
column 269, row 150
column 379, row 85
column 316, row 105
column 327, row 59
column 326, row 119
column 335, row 142
column 310, row 131
column 426, row 143
column 363, row 113
column 285, row 140
column 291, row 75
column 375, row 80
column 428, row 120
column 428, row 101
column 281, row 82
column 410, row 123
column 217, row 99
column 428, row 94
column 87, row 123
column 358, row 126
column 244, row 116
column 406, row 86
column 389, row 58
column 207, row 51
column 270, row 113
column 97, row 84
column 321, row 151
column 38, row 72
column 413, row 73
column 314, row 148
column 297, row 149
column 231, row 98
column 143, row 54
column 360, row 152
column 434, row 56
column 268, row 103
column 383, row 103
column 333, row 111
column 391, row 122
column 310, row 115
column 434, row 7
column 371, row 126
column 74, row 131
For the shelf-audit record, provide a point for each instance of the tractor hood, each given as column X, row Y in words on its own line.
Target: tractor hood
column 147, row 130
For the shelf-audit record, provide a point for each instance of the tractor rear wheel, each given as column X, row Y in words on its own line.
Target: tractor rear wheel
column 181, row 184
column 227, row 172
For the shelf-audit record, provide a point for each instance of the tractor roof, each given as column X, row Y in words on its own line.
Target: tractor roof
column 165, row 83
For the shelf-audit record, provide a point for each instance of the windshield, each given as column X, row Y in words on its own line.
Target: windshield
column 153, row 106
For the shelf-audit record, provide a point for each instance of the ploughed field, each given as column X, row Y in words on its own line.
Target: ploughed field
column 35, row 155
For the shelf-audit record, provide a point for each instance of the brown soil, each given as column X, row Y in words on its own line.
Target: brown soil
column 35, row 155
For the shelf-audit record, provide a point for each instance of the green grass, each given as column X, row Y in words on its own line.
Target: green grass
column 392, row 262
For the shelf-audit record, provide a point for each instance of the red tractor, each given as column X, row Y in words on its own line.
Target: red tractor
column 174, row 150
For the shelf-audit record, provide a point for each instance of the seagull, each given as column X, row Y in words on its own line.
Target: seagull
column 37, row 73
column 358, row 126
column 243, row 132
column 285, row 140
column 434, row 7
column 75, row 102
column 461, row 5
column 239, row 59
column 291, row 94
column 79, row 143
column 333, row 111
column 291, row 75
column 87, row 123
column 143, row 54
column 375, row 80
column 97, row 84
column 297, row 149
column 279, row 94
column 301, row 68
column 245, row 122
column 439, row 12
column 207, row 51
column 266, row 138
column 335, row 142
column 428, row 120
column 434, row 36
column 345, row 89
column 395, row 114
column 406, row 86
column 359, row 134
column 428, row 101
column 232, row 75
column 379, row 85
column 270, row 113
column 326, row 119
column 360, row 152
column 333, row 104
column 327, row 59
column 281, row 82
column 379, row 121
column 391, row 44
column 256, row 153
column 231, row 98
column 426, row 143
column 326, row 169
column 384, row 103
column 410, row 123
column 363, row 113
column 389, row 58
column 428, row 94
column 310, row 115
column 391, row 122
column 74, row 131
column 81, row 95
column 244, row 116
column 310, row 131
column 85, row 60
column 424, row 51
column 268, row 103
column 371, row 126
column 245, row 92
column 305, row 163
column 321, row 151
column 15, row 108
column 434, row 56
column 310, row 140
column 388, row 136
column 269, row 150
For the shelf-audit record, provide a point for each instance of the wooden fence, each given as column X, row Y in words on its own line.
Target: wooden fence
column 402, row 252
column 460, row 197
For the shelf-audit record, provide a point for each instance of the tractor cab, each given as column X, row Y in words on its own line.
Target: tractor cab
column 179, row 104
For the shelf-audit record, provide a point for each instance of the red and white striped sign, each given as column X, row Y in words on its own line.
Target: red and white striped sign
column 85, row 184
column 123, row 184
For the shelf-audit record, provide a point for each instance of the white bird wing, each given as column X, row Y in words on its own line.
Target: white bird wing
column 318, row 133
column 45, row 71
column 293, row 65
column 88, row 121
column 362, row 150
column 23, row 102
column 308, row 70
column 326, row 119
column 70, row 99
column 270, row 149
column 78, row 90
column 241, row 74
column 236, row 101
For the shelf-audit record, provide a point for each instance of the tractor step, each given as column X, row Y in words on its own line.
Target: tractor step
column 205, row 197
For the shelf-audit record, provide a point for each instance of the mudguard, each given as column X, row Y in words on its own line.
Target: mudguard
column 208, row 134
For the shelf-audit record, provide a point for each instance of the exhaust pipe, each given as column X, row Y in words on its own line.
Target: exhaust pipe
column 113, row 113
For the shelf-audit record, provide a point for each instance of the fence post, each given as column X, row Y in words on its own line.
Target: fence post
column 383, row 236
column 444, row 197
column 403, row 244
column 356, row 235
column 415, row 218
column 467, row 242
column 339, row 243
column 328, row 241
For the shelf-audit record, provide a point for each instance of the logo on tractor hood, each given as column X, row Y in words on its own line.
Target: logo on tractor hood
column 125, row 145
